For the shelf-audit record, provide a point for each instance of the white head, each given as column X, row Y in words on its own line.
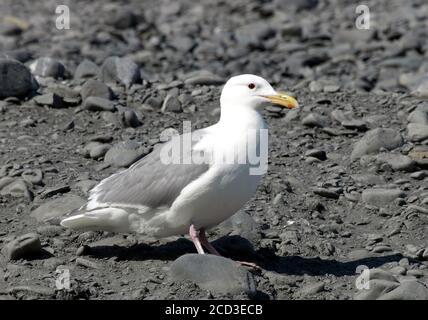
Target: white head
column 252, row 92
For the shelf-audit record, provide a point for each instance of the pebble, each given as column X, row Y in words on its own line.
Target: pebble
column 213, row 273
column 129, row 118
column 98, row 104
column 419, row 115
column 25, row 246
column 171, row 104
column 408, row 290
column 419, row 175
column 48, row 67
column 95, row 88
column 315, row 120
column 96, row 150
column 50, row 99
column 376, row 288
column 381, row 197
column 17, row 188
column 33, row 176
column 203, row 78
column 86, row 69
column 57, row 208
column 316, row 153
column 121, row 70
column 16, row 80
column 50, row 192
column 374, row 140
column 312, row 289
column 347, row 121
column 124, row 153
column 397, row 162
column 422, row 88
column 86, row 263
column 417, row 132
column 326, row 193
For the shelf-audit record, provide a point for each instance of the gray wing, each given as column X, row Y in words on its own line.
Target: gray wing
column 150, row 182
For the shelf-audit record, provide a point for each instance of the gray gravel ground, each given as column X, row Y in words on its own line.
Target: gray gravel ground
column 347, row 186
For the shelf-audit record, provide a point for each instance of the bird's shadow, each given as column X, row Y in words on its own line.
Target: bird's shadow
column 230, row 246
column 238, row 248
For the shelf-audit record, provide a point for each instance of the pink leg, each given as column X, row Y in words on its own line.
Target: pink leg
column 195, row 238
column 204, row 241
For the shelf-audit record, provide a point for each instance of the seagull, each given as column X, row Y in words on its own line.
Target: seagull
column 194, row 181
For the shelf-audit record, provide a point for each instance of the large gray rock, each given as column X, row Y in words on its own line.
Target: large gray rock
column 25, row 246
column 57, row 208
column 417, row 131
column 408, row 290
column 374, row 140
column 15, row 79
column 122, row 70
column 381, row 197
column 376, row 288
column 213, row 273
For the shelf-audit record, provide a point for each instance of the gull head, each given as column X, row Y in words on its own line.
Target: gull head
column 253, row 92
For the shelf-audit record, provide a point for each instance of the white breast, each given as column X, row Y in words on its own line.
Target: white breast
column 224, row 188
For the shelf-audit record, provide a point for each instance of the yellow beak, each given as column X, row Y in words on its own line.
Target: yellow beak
column 283, row 100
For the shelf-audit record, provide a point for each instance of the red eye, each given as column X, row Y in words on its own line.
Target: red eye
column 251, row 86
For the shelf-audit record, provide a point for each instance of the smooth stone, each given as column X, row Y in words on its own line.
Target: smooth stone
column 381, row 197
column 50, row 99
column 377, row 288
column 86, row 69
column 421, row 88
column 203, row 78
column 95, row 88
column 315, row 120
column 124, row 153
column 18, row 188
column 57, row 207
column 369, row 179
column 419, row 115
column 33, row 176
column 48, row 67
column 374, row 140
column 86, row 185
column 96, row 150
column 213, row 273
column 129, row 118
column 326, row 193
column 171, row 104
column 241, row 224
column 408, row 290
column 98, row 104
column 417, row 132
column 25, row 246
column 121, row 70
column 312, row 289
column 16, row 80
column 319, row 154
column 397, row 162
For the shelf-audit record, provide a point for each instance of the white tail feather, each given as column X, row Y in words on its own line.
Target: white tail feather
column 105, row 219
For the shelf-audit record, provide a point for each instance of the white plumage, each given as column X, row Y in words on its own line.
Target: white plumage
column 160, row 199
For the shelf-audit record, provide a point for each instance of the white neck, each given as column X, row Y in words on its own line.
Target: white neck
column 241, row 117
